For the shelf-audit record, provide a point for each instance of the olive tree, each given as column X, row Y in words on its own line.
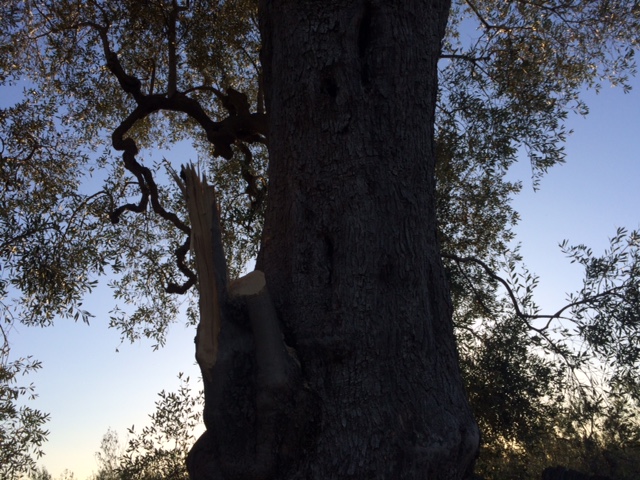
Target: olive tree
column 352, row 318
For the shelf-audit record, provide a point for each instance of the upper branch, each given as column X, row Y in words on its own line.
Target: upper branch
column 146, row 182
column 239, row 126
column 475, row 10
column 129, row 83
column 488, row 26
column 590, row 300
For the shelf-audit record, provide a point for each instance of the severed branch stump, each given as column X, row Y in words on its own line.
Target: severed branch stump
column 257, row 407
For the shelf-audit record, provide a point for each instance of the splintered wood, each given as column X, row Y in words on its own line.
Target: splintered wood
column 201, row 205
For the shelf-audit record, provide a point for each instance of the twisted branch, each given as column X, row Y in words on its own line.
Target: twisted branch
column 240, row 126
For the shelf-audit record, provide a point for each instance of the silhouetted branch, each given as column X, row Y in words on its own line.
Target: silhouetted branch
column 527, row 316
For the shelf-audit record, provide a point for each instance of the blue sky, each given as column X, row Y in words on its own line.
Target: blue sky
column 88, row 387
column 596, row 191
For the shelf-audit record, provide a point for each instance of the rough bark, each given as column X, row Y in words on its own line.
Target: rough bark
column 350, row 250
column 354, row 281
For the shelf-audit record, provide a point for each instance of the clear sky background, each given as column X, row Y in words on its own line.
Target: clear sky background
column 87, row 387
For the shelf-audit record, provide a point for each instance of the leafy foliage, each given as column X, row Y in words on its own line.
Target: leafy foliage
column 21, row 427
column 108, row 457
column 607, row 309
column 62, row 49
column 509, row 75
column 552, row 387
column 159, row 451
column 41, row 474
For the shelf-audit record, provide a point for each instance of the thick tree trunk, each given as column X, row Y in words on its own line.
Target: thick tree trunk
column 351, row 261
column 350, row 251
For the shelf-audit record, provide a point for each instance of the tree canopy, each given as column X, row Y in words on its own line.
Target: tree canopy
column 104, row 83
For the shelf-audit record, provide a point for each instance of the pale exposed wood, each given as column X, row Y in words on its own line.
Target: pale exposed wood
column 202, row 208
column 250, row 284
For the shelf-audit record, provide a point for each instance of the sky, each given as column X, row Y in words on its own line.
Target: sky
column 586, row 199
column 88, row 387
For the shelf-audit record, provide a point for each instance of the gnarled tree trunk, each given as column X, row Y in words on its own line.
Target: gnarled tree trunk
column 350, row 252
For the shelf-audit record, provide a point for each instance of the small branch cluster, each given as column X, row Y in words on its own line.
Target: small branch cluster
column 238, row 128
column 605, row 311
